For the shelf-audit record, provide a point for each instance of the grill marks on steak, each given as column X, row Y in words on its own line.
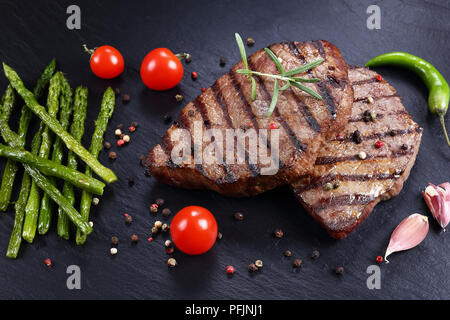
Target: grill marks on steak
column 303, row 121
column 362, row 183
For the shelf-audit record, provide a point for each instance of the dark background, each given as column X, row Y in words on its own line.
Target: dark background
column 32, row 32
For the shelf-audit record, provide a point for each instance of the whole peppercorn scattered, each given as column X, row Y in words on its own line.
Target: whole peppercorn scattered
column 339, row 270
column 272, row 126
column 158, row 224
column 219, row 235
column 113, row 251
column 160, row 201
column 154, row 208
column 118, row 132
column 379, row 259
column 168, row 243
column 373, row 116
column 119, row 126
column 112, row 155
column 336, row 185
column 252, row 267
column 170, row 250
column 370, row 99
column 250, row 42
column 356, row 137
column 203, row 90
column 392, row 133
column 191, row 113
column 131, row 129
column 134, row 238
column 107, row 145
column 126, row 98
column 128, row 219
column 315, row 254
column 259, row 263
column 165, row 227
column 91, row 223
column 155, row 230
column 150, row 239
column 166, row 212
column 404, row 147
column 379, row 144
column 130, row 181
column 135, row 124
column 178, row 97
column 366, row 116
column 297, row 263
column 121, row 136
column 171, row 262
column 126, row 138
column 48, row 262
column 194, row 75
column 114, row 240
column 287, row 253
column 362, row 155
column 117, row 91
column 238, row 216
column 230, row 270
column 95, row 201
column 188, row 58
column 278, row 233
column 379, row 78
column 328, row 186
column 222, row 62
column 120, row 142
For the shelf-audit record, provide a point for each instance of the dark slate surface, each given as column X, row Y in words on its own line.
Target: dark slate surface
column 31, row 33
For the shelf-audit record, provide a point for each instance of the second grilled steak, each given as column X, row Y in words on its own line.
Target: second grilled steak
column 344, row 188
column 303, row 122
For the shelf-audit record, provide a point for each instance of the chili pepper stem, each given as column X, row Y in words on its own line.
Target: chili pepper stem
column 441, row 118
column 90, row 51
column 182, row 55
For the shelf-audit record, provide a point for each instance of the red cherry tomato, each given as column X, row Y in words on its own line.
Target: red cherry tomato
column 194, row 230
column 161, row 69
column 107, row 62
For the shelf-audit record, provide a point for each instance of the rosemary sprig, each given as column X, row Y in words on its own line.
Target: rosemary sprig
column 287, row 77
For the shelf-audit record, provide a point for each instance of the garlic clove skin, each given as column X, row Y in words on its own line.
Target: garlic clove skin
column 408, row 234
column 437, row 199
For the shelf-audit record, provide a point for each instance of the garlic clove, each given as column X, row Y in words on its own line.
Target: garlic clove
column 408, row 234
column 437, row 199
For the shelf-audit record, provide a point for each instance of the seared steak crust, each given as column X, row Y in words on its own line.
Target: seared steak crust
column 361, row 183
column 303, row 121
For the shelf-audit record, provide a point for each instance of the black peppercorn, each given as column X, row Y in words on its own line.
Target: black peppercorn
column 114, row 240
column 339, row 270
column 238, row 216
column 166, row 212
column 167, row 119
column 112, row 155
column 297, row 263
column 107, row 145
column 126, row 98
column 356, row 136
column 404, row 147
column 222, row 62
column 252, row 267
column 159, row 201
column 250, row 42
column 130, row 181
column 315, row 254
column 278, row 233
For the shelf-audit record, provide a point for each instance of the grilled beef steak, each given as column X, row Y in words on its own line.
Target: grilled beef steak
column 303, row 122
column 352, row 172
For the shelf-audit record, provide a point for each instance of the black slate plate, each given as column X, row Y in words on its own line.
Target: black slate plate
column 31, row 33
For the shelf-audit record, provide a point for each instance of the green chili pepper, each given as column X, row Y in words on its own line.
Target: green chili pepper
column 439, row 92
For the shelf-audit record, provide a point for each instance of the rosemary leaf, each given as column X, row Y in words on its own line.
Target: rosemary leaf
column 240, row 44
column 253, row 88
column 275, row 60
column 307, row 90
column 308, row 80
column 273, row 103
column 304, row 68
